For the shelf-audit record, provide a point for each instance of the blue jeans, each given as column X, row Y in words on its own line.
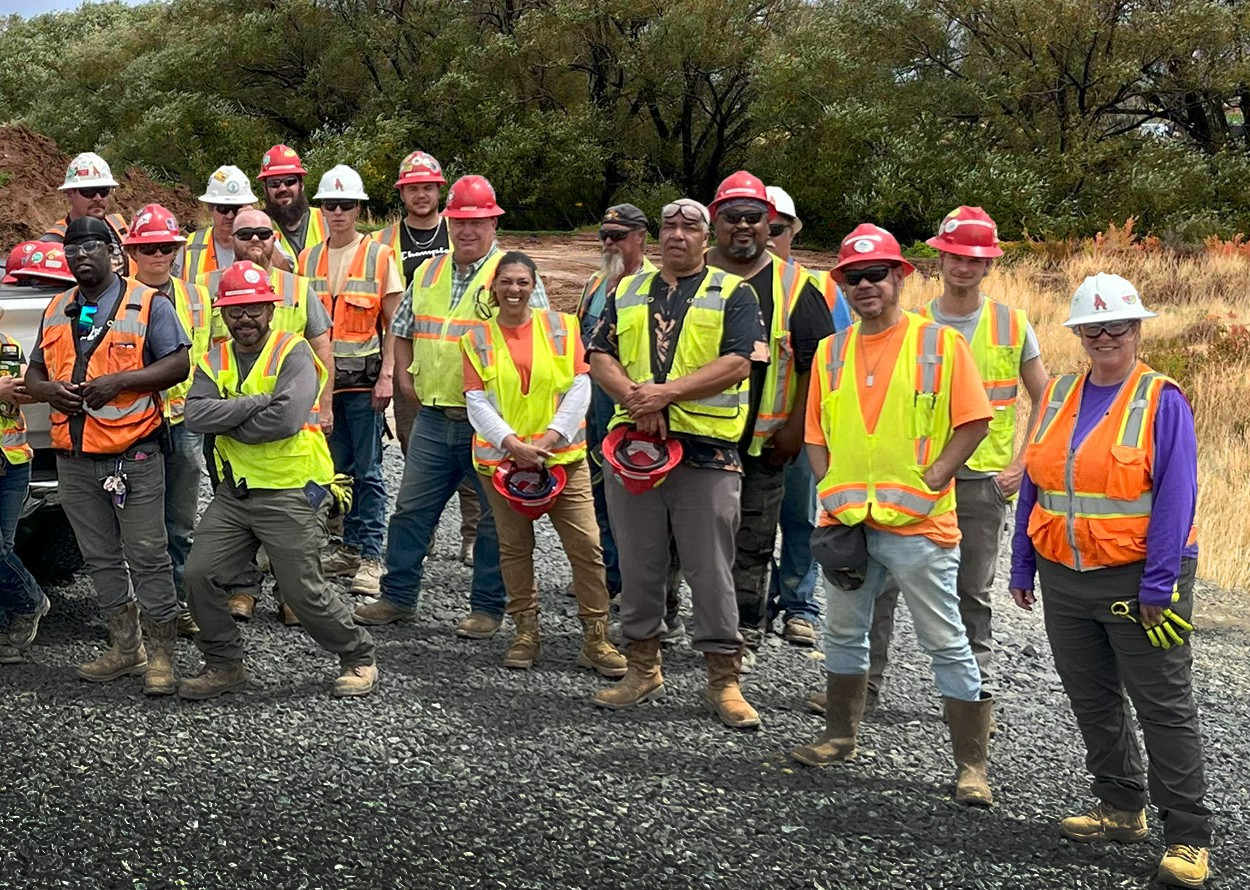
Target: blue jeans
column 20, row 593
column 792, row 589
column 926, row 575
column 440, row 457
column 184, row 468
column 356, row 445
column 601, row 410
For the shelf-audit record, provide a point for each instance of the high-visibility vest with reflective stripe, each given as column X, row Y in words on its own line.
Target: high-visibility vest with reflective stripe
column 997, row 344
column 291, row 315
column 131, row 416
column 13, row 429
column 292, row 462
column 721, row 416
column 437, row 369
column 780, row 384
column 356, row 309
column 192, row 304
column 200, row 255
column 592, row 285
column 313, row 235
column 1093, row 502
column 880, row 475
column 115, row 221
column 551, row 376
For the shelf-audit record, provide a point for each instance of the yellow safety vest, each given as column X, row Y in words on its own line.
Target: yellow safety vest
column 593, row 285
column 292, row 462
column 551, row 377
column 290, row 316
column 313, row 235
column 13, row 429
column 997, row 344
column 356, row 309
column 437, row 369
column 192, row 304
column 722, row 416
column 880, row 474
column 780, row 383
column 200, row 255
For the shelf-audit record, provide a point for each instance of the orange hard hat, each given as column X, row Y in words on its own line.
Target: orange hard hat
column 471, row 197
column 243, row 283
column 19, row 256
column 418, row 167
column 967, row 231
column 281, row 160
column 153, row 225
column 46, row 263
column 641, row 461
column 739, row 186
column 530, row 492
column 870, row 244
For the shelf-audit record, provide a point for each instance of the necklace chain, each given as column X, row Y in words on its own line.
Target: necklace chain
column 422, row 245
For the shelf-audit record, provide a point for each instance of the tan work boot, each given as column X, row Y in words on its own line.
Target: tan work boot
column 1106, row 823
column 642, row 681
column 356, row 680
column 478, row 626
column 597, row 653
column 723, row 695
column 162, row 636
column 368, row 578
column 287, row 616
column 970, row 739
column 241, row 606
column 340, row 562
column 844, row 709
column 1184, row 866
column 382, row 612
column 816, row 702
column 186, row 625
column 125, row 653
column 527, row 646
column 213, row 681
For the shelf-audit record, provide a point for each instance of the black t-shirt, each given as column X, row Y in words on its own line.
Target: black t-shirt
column 418, row 245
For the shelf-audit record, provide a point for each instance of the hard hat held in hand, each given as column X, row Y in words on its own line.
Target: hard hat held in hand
column 153, row 225
column 1106, row 297
column 19, row 256
column 228, row 185
column 88, row 170
column 530, row 492
column 967, row 231
column 281, row 160
column 244, row 282
column 870, row 244
column 641, row 461
column 472, row 197
column 46, row 263
column 418, row 167
column 341, row 183
column 739, row 186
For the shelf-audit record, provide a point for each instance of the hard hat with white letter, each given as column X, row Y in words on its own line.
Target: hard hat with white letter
column 341, row 183
column 1106, row 297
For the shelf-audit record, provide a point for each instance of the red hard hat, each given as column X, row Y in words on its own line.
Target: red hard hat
column 46, row 263
column 641, row 461
column 740, row 185
column 420, row 166
column 870, row 244
column 967, row 231
column 471, row 197
column 243, row 283
column 153, row 225
column 18, row 257
column 281, row 160
column 530, row 492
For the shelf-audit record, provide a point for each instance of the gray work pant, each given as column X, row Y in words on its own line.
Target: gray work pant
column 294, row 534
column 700, row 508
column 124, row 546
column 1105, row 662
column 763, row 489
column 981, row 511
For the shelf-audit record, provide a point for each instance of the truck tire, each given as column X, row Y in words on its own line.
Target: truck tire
column 47, row 546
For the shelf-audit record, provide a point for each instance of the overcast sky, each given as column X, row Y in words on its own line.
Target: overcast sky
column 28, row 8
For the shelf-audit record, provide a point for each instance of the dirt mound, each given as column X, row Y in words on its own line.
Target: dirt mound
column 31, row 168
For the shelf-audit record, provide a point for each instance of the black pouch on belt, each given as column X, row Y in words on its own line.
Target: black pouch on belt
column 842, row 551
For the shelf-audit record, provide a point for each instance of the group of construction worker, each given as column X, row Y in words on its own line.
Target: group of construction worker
column 686, row 415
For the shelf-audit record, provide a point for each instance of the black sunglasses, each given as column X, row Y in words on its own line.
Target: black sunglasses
column 98, row 192
column 614, row 234
column 250, row 234
column 227, row 209
column 154, row 249
column 251, row 310
column 277, row 182
column 873, row 274
column 339, row 205
column 1112, row 329
column 777, row 229
column 733, row 217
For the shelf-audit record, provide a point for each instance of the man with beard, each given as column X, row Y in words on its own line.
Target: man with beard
column 796, row 318
column 282, row 176
column 88, row 185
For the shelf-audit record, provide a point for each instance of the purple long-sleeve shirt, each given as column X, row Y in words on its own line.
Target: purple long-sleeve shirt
column 1174, row 480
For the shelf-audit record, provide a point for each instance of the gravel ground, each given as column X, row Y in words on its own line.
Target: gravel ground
column 460, row 773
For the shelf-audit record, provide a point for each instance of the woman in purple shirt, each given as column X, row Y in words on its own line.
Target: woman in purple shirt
column 1105, row 519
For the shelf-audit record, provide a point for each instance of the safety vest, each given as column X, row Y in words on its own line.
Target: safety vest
column 356, row 308
column 115, row 221
column 131, row 416
column 551, row 377
column 780, row 383
column 192, row 303
column 200, row 255
column 313, row 235
column 592, row 285
column 437, row 370
column 879, row 475
column 722, row 416
column 13, row 429
column 997, row 344
column 1093, row 502
column 291, row 315
column 288, row 463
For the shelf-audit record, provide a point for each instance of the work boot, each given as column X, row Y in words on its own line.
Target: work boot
column 212, row 681
column 1184, row 866
column 368, row 579
column 340, row 562
column 478, row 626
column 526, row 647
column 466, row 551
column 125, row 654
column 162, row 637
column 1105, row 823
column 22, row 628
column 642, row 681
column 723, row 695
column 970, row 738
column 10, row 654
column 241, row 606
column 597, row 653
column 382, row 612
column 356, row 680
column 674, row 632
column 816, row 702
column 186, row 625
column 844, row 708
column 287, row 615
column 799, row 632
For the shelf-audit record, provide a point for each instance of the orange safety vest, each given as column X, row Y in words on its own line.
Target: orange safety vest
column 356, row 310
column 131, row 416
column 114, row 221
column 199, row 257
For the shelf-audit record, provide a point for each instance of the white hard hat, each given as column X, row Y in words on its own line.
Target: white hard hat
column 1106, row 297
column 88, row 170
column 229, row 185
column 341, row 182
column 785, row 204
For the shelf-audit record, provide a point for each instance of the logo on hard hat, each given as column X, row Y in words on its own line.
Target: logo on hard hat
column 220, row 176
column 251, row 276
column 171, row 224
column 36, row 257
column 1130, row 299
column 950, row 225
column 143, row 220
column 863, row 245
column 266, row 160
column 338, row 185
column 1099, row 303
column 232, row 187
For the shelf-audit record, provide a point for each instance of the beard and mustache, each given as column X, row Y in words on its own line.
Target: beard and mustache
column 290, row 215
column 611, row 266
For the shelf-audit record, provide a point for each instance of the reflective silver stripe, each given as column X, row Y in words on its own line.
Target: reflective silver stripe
column 125, row 326
column 372, row 250
column 929, row 358
column 844, row 498
column 1001, row 393
column 421, row 326
column 481, row 346
column 14, row 439
column 116, row 412
column 314, row 259
column 837, row 350
column 559, row 336
column 1002, row 324
column 1058, row 395
column 634, row 294
column 211, row 282
column 359, row 286
column 915, row 503
column 724, row 400
column 217, row 359
column 1093, row 505
column 455, row 329
column 788, row 274
column 1137, row 406
column 485, row 453
column 433, row 267
column 348, row 348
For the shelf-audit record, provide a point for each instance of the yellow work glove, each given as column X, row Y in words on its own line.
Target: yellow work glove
column 341, row 489
column 1164, row 635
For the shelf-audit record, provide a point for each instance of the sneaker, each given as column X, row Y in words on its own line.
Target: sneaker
column 213, row 681
column 1184, row 866
column 22, row 628
column 10, row 654
column 478, row 626
column 799, row 632
column 340, row 562
column 368, row 580
column 1106, row 823
column 382, row 612
column 356, row 680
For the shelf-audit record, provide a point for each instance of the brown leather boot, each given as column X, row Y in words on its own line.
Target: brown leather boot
column 844, row 709
column 642, row 681
column 162, row 637
column 597, row 653
column 526, row 647
column 125, row 653
column 970, row 737
column 241, row 606
column 723, row 695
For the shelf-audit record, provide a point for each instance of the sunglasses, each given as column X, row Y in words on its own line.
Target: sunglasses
column 281, row 182
column 72, row 250
column 733, row 217
column 871, row 274
column 339, row 205
column 251, row 310
column 154, row 249
column 226, row 209
column 250, row 234
column 614, row 234
column 1112, row 329
column 99, row 192
column 776, row 230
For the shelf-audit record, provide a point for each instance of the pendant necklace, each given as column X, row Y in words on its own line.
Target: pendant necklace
column 872, row 371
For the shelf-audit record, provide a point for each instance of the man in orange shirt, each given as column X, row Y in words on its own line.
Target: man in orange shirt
column 895, row 407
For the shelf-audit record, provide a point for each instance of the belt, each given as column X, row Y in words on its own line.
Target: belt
column 459, row 415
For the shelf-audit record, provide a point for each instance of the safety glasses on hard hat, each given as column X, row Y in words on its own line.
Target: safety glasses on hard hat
column 226, row 209
column 873, row 274
column 261, row 234
column 684, row 211
column 1112, row 329
column 251, row 310
column 750, row 217
column 339, row 205
column 154, row 249
column 276, row 182
column 101, row 191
